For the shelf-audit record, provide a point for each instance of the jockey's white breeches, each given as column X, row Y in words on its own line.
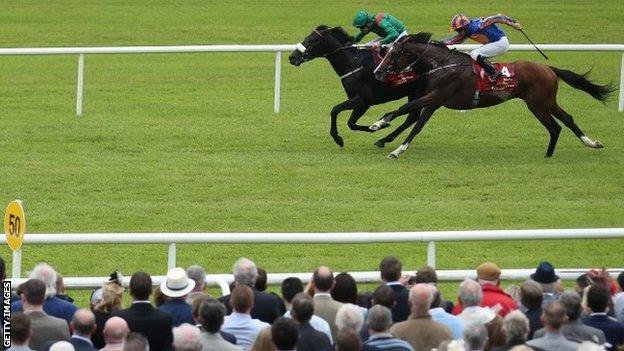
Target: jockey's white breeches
column 491, row 49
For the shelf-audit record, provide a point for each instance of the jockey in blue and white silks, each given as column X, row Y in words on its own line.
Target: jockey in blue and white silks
column 485, row 31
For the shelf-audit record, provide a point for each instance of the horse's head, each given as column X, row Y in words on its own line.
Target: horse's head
column 322, row 41
column 403, row 54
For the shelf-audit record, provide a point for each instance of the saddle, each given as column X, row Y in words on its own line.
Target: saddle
column 507, row 81
column 394, row 79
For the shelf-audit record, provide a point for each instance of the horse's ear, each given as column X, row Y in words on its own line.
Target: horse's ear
column 322, row 27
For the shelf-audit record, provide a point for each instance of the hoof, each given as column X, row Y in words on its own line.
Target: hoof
column 380, row 143
column 401, row 149
column 591, row 143
column 338, row 140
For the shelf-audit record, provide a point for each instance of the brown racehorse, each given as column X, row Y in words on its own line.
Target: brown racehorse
column 452, row 84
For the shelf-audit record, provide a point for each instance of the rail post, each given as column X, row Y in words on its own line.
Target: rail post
column 79, row 87
column 171, row 256
column 278, row 78
column 431, row 254
column 621, row 101
column 17, row 264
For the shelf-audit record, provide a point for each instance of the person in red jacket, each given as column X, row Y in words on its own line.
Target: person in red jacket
column 488, row 276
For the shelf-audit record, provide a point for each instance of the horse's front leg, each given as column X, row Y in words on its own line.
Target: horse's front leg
column 420, row 123
column 384, row 121
column 381, row 123
column 411, row 119
column 343, row 106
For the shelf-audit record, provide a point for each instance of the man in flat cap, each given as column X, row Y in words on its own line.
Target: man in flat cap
column 488, row 276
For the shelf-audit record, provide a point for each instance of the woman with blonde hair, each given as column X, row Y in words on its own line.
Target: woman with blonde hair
column 112, row 297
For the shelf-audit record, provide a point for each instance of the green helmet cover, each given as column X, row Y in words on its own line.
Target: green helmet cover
column 361, row 19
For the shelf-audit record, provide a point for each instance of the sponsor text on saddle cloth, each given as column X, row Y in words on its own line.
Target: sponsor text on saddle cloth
column 395, row 79
column 504, row 84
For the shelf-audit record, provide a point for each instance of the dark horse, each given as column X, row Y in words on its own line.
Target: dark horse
column 452, row 84
column 355, row 67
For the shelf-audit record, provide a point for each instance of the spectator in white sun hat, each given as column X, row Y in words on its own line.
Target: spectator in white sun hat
column 176, row 287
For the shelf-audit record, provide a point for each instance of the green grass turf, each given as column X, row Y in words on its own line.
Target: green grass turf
column 190, row 143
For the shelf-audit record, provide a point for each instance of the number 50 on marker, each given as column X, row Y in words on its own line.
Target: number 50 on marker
column 14, row 224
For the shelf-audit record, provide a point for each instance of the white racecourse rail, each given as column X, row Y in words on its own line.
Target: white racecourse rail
column 278, row 49
column 431, row 237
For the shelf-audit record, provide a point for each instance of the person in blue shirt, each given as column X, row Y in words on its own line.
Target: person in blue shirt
column 485, row 31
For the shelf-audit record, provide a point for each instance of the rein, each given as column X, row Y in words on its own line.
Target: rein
column 306, row 56
column 338, row 49
column 303, row 49
column 435, row 63
column 409, row 67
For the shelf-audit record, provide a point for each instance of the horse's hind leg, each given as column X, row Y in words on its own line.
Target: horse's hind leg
column 564, row 117
column 542, row 112
column 411, row 119
column 358, row 112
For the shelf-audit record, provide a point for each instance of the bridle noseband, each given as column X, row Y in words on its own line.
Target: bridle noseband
column 305, row 55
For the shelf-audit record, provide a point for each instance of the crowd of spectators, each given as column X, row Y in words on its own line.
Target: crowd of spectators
column 403, row 313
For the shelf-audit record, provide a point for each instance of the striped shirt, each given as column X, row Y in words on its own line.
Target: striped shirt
column 385, row 341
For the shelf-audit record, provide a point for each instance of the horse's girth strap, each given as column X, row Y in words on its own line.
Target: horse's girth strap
column 442, row 67
column 351, row 72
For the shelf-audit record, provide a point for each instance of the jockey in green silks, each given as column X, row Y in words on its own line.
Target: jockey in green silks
column 388, row 27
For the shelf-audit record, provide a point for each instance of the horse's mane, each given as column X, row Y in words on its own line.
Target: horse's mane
column 337, row 32
column 420, row 38
column 425, row 38
column 438, row 43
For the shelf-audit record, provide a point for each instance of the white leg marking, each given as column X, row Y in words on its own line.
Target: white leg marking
column 399, row 150
column 379, row 124
column 591, row 143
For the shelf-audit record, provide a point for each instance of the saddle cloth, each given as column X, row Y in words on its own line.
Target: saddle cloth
column 507, row 81
column 395, row 79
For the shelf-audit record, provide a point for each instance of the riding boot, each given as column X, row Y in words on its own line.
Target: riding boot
column 489, row 68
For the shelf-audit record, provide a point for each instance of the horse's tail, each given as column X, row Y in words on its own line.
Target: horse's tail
column 580, row 81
